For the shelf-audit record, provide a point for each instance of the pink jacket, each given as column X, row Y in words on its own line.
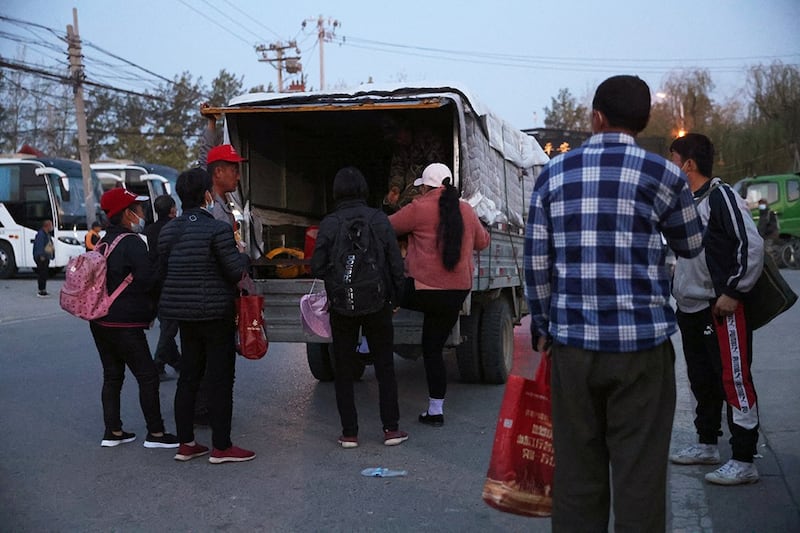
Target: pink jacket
column 419, row 220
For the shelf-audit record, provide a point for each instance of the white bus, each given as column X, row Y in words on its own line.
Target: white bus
column 35, row 189
column 144, row 179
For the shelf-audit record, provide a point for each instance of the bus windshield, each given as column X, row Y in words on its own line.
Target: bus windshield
column 68, row 196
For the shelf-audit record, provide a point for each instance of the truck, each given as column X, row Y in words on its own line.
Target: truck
column 38, row 188
column 782, row 193
column 295, row 142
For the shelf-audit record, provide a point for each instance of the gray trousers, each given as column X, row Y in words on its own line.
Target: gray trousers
column 612, row 422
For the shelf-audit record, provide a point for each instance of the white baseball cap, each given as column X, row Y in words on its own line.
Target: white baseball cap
column 433, row 175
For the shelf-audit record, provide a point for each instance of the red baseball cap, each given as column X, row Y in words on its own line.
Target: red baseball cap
column 223, row 152
column 118, row 199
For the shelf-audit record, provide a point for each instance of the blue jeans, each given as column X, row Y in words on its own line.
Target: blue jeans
column 208, row 350
column 127, row 346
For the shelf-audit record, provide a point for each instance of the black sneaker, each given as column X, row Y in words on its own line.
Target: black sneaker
column 43, row 294
column 431, row 420
column 109, row 439
column 167, row 440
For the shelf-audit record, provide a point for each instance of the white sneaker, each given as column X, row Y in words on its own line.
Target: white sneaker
column 697, row 454
column 733, row 473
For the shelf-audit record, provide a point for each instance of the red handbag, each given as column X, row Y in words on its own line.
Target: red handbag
column 520, row 476
column 251, row 332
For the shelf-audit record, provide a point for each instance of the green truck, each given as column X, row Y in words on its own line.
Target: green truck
column 782, row 192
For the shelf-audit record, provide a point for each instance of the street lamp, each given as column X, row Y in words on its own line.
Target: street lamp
column 681, row 123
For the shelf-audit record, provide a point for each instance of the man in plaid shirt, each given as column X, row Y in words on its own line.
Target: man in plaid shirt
column 598, row 291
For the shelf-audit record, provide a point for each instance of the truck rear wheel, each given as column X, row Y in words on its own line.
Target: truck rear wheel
column 497, row 341
column 8, row 267
column 468, row 352
column 320, row 362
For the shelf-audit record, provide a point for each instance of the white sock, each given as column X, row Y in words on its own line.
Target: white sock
column 435, row 406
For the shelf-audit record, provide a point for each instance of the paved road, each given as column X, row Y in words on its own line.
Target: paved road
column 55, row 477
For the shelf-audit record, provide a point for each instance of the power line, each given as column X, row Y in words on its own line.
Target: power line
column 253, row 19
column 206, row 17
column 62, row 36
column 68, row 80
column 218, row 10
column 557, row 60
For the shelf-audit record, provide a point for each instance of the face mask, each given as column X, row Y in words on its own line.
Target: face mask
column 762, row 207
column 139, row 226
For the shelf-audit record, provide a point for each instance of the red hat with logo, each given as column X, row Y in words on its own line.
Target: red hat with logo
column 118, row 199
column 223, row 152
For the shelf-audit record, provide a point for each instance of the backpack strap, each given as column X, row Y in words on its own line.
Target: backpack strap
column 106, row 252
column 108, row 249
column 716, row 183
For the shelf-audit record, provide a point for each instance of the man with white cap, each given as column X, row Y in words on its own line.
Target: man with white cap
column 119, row 336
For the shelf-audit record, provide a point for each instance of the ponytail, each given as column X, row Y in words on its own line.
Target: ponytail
column 451, row 226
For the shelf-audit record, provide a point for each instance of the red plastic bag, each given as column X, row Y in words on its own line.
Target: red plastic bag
column 251, row 333
column 520, row 476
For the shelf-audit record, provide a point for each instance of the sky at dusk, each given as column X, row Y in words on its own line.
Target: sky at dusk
column 513, row 55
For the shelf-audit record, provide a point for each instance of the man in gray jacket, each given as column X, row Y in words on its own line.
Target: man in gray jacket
column 717, row 340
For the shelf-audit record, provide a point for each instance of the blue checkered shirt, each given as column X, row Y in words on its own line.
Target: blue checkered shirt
column 595, row 276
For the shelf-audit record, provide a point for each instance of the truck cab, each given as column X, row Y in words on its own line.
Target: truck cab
column 782, row 192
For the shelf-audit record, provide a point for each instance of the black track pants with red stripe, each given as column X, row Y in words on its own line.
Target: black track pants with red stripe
column 718, row 357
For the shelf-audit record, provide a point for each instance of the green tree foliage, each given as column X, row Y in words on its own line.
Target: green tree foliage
column 565, row 113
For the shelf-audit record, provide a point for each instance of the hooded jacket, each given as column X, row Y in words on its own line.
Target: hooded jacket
column 321, row 266
column 733, row 251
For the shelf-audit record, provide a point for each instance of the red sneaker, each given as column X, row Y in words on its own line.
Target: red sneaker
column 234, row 454
column 393, row 438
column 348, row 442
column 187, row 452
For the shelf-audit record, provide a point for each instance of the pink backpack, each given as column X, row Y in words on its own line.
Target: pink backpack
column 84, row 291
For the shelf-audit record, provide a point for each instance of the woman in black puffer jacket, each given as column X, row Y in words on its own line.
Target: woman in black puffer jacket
column 201, row 267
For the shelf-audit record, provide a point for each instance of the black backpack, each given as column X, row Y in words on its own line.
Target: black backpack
column 356, row 283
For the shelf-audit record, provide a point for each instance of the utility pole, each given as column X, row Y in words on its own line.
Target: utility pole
column 291, row 64
column 76, row 71
column 326, row 30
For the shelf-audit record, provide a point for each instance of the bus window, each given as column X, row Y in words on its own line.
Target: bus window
column 71, row 207
column 24, row 195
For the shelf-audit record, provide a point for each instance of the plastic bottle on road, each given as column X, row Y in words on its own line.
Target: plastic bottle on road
column 382, row 472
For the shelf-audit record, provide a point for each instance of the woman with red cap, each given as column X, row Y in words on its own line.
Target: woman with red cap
column 119, row 336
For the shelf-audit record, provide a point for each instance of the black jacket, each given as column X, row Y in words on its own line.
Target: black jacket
column 152, row 233
column 136, row 306
column 329, row 230
column 201, row 267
